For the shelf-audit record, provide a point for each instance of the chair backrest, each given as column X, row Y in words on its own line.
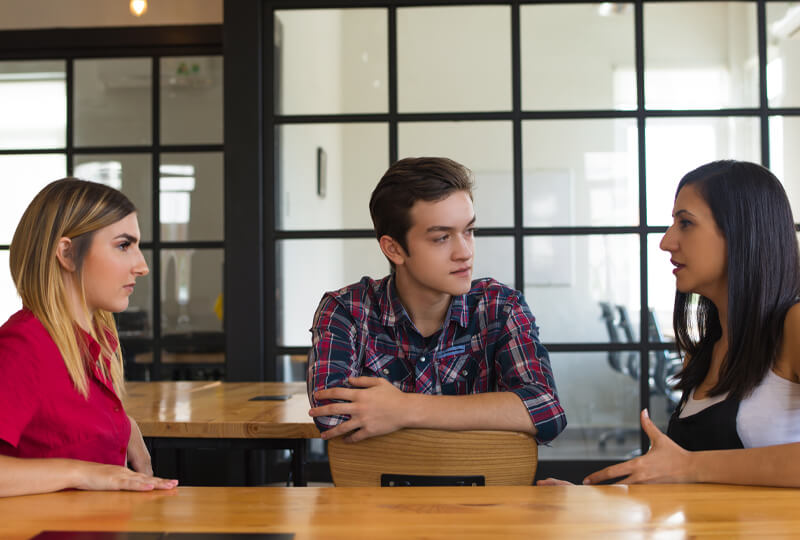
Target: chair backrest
column 435, row 457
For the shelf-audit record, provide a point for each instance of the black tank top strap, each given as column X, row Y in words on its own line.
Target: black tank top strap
column 713, row 428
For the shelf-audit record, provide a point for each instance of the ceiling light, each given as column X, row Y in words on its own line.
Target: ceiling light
column 138, row 7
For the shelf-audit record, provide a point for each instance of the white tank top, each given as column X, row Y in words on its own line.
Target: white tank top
column 769, row 415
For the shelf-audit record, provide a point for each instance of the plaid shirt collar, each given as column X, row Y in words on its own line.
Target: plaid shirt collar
column 393, row 313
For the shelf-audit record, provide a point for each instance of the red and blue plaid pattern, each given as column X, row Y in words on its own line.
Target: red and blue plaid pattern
column 488, row 342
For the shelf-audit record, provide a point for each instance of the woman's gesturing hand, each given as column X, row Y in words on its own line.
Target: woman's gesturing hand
column 665, row 462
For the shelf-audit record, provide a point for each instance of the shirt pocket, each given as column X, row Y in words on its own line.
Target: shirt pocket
column 387, row 365
column 461, row 374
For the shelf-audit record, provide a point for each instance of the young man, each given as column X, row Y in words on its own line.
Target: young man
column 426, row 346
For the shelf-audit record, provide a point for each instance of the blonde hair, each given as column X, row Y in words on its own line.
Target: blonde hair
column 74, row 209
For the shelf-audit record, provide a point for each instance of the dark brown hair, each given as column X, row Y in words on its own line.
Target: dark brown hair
column 408, row 181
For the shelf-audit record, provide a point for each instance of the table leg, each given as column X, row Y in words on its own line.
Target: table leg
column 151, row 449
column 299, row 462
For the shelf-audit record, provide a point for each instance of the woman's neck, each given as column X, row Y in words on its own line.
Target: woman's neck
column 75, row 302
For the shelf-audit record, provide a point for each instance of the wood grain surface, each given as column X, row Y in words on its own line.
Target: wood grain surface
column 655, row 511
column 214, row 409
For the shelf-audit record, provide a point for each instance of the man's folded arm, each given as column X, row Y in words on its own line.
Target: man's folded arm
column 522, row 366
column 333, row 356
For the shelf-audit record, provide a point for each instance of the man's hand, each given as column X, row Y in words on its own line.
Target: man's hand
column 665, row 462
column 138, row 456
column 376, row 407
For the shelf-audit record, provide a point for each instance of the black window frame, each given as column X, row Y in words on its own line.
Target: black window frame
column 251, row 152
column 154, row 43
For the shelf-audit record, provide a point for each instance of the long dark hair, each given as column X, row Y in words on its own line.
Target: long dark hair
column 751, row 209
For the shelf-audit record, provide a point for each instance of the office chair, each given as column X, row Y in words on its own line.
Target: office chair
column 432, row 457
column 611, row 322
column 667, row 364
column 620, row 330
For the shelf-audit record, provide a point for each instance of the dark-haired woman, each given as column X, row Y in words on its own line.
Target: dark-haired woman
column 737, row 321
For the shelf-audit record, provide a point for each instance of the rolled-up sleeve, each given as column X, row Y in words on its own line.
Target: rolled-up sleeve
column 333, row 356
column 523, row 367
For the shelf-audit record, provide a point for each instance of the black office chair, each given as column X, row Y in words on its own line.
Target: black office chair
column 666, row 365
column 624, row 322
column 619, row 331
column 611, row 321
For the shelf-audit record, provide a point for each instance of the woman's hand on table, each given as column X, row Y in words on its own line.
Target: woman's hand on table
column 100, row 477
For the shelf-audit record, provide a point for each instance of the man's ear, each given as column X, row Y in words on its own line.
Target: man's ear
column 392, row 249
column 64, row 254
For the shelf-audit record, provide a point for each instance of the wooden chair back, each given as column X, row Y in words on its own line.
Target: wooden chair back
column 436, row 457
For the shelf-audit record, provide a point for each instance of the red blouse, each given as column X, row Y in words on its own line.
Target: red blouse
column 42, row 415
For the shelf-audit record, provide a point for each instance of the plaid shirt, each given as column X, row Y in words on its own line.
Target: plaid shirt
column 488, row 342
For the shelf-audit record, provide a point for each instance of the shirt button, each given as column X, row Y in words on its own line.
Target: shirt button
column 385, row 371
column 465, row 373
column 421, row 358
column 116, row 409
column 122, row 451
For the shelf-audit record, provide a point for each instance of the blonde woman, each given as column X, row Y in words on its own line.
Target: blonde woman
column 74, row 260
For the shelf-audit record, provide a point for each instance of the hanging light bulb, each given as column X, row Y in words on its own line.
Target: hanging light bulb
column 138, row 7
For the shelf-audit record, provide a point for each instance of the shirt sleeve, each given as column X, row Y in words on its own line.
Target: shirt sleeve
column 19, row 380
column 333, row 356
column 523, row 367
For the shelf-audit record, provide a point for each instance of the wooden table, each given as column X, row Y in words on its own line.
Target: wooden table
column 203, row 414
column 657, row 511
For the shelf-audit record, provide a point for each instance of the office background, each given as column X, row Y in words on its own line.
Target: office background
column 250, row 134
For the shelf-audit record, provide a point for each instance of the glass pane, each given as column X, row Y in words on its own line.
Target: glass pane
column 494, row 258
column 136, row 322
column 602, row 405
column 195, row 358
column 301, row 283
column 191, row 291
column 33, row 104
column 483, row 147
column 327, row 173
column 580, row 172
column 129, row 173
column 700, row 55
column 113, row 104
column 191, row 100
column 596, row 71
column 331, row 61
column 783, row 53
column 10, row 302
column 660, row 288
column 675, row 146
column 191, row 197
column 292, row 368
column 454, row 59
column 138, row 356
column 568, row 278
column 21, row 178
column 784, row 138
